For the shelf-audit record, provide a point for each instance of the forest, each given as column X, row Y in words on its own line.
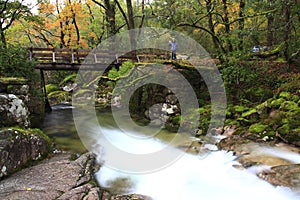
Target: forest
column 254, row 46
column 226, row 28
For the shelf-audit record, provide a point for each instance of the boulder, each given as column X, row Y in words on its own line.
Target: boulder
column 130, row 197
column 13, row 111
column 283, row 175
column 20, row 147
column 57, row 178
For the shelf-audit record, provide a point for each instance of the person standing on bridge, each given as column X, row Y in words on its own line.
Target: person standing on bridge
column 173, row 46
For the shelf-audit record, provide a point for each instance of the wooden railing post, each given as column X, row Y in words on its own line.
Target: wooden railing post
column 30, row 53
column 73, row 58
column 117, row 58
column 53, row 55
column 95, row 58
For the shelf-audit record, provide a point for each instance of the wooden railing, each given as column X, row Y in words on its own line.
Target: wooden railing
column 56, row 58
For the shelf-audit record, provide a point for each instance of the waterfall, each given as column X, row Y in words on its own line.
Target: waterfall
column 190, row 177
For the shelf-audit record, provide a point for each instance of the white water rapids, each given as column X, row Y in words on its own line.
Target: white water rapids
column 191, row 178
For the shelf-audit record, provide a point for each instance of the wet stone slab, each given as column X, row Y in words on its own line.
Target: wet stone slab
column 56, row 178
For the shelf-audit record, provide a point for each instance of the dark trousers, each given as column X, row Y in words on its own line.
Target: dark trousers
column 173, row 55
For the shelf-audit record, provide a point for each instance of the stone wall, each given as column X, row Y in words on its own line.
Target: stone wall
column 18, row 105
column 18, row 147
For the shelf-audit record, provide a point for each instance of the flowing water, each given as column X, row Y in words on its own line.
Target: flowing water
column 191, row 177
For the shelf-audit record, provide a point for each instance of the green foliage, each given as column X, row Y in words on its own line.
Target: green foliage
column 239, row 74
column 258, row 128
column 123, row 70
column 289, row 82
column 51, row 88
column 14, row 62
column 69, row 79
column 59, row 96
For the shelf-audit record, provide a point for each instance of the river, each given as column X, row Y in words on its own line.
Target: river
column 190, row 177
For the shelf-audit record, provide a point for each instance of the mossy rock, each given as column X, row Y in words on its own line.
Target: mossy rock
column 232, row 122
column 292, row 118
column 13, row 81
column 285, row 95
column 262, row 108
column 277, row 103
column 284, row 129
column 249, row 113
column 258, row 128
column 289, row 135
column 240, row 109
column 295, row 98
column 30, row 131
column 288, row 106
column 51, row 88
column 270, row 133
column 243, row 121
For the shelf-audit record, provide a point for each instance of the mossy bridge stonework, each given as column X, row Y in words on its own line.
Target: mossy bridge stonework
column 66, row 59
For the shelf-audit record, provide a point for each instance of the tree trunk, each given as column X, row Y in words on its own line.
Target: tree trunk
column 110, row 13
column 131, row 24
column 287, row 30
column 270, row 34
column 227, row 25
column 75, row 24
column 143, row 14
column 241, row 24
column 3, row 39
column 209, row 8
column 62, row 34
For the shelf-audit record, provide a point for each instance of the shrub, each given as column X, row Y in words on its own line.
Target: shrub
column 14, row 62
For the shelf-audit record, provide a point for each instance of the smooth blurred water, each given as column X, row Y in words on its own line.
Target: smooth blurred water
column 191, row 177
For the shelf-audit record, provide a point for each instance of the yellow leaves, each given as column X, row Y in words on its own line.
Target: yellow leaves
column 64, row 22
column 46, row 8
column 92, row 35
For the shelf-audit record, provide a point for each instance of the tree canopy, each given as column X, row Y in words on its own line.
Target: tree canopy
column 224, row 27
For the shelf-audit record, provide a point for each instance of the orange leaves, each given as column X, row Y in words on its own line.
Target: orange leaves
column 63, row 23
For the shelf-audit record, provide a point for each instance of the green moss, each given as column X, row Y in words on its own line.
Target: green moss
column 83, row 92
column 249, row 113
column 35, row 131
column 51, row 88
column 270, row 134
column 232, row 122
column 71, row 78
column 285, row 95
column 240, row 109
column 284, row 129
column 176, row 120
column 288, row 106
column 58, row 94
column 13, row 80
column 277, row 103
column 295, row 98
column 262, row 108
column 292, row 118
column 258, row 128
column 243, row 121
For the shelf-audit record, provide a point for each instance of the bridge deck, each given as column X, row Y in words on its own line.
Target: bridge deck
column 75, row 59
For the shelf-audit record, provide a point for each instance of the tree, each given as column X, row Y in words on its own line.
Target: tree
column 10, row 11
column 61, row 25
column 110, row 15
